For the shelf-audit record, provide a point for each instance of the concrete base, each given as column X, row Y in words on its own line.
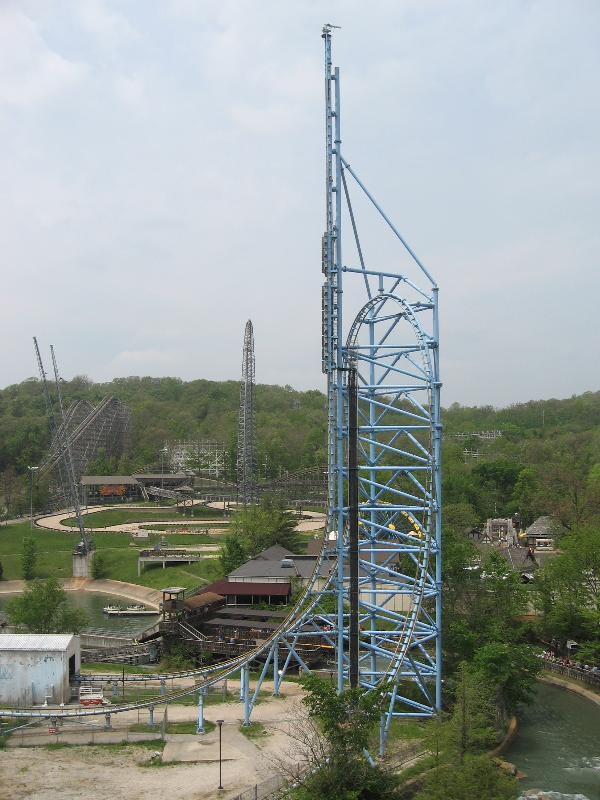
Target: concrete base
column 82, row 565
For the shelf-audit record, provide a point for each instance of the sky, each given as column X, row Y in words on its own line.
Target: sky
column 162, row 173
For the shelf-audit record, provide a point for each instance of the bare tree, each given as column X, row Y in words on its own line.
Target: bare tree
column 307, row 749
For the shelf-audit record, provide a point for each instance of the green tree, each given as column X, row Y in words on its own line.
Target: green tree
column 254, row 529
column 336, row 766
column 472, row 725
column 44, row 608
column 28, row 558
column 102, row 464
column 99, row 566
column 477, row 777
column 510, row 670
column 525, row 495
column 233, row 553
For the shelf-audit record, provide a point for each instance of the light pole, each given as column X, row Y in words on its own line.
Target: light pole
column 162, row 466
column 31, row 471
column 220, row 724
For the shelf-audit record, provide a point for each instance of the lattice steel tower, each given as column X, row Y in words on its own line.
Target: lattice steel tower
column 246, row 448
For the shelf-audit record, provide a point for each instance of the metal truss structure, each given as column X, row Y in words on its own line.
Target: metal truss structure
column 87, row 429
column 246, row 443
column 390, row 345
column 205, row 458
column 65, row 469
column 383, row 536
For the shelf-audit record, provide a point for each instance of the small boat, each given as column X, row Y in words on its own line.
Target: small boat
column 133, row 610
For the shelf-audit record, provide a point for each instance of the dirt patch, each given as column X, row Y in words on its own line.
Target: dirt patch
column 124, row 772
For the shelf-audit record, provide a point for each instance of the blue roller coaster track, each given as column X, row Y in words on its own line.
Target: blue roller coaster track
column 381, row 326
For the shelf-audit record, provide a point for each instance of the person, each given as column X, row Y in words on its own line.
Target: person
column 530, row 555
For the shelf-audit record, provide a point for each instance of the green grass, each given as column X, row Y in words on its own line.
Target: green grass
column 173, row 727
column 407, row 730
column 121, row 516
column 112, row 747
column 255, row 730
column 55, row 550
column 192, row 527
column 130, row 669
column 104, row 519
column 134, row 695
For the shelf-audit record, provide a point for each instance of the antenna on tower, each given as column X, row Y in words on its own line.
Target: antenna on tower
column 246, row 449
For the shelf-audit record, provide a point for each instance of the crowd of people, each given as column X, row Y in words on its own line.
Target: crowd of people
column 570, row 663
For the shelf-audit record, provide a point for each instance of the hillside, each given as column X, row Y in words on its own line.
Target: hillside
column 546, row 461
column 291, row 425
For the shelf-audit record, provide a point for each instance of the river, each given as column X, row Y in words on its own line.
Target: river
column 558, row 744
column 93, row 603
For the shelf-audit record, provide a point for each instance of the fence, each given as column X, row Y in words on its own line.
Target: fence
column 80, row 733
column 580, row 675
column 269, row 789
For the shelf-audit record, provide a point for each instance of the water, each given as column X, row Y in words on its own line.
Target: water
column 558, row 745
column 93, row 603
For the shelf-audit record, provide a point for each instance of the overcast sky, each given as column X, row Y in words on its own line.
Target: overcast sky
column 161, row 172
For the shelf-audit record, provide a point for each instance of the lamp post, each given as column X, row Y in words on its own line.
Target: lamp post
column 220, row 724
column 162, row 466
column 31, row 471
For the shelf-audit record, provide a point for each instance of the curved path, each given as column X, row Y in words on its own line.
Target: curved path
column 130, row 591
column 315, row 521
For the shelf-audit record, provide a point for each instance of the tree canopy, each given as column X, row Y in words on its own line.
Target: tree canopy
column 44, row 608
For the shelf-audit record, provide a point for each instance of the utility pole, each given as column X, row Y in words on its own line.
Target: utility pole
column 31, row 471
column 162, row 466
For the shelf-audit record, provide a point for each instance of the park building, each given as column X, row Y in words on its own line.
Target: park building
column 38, row 668
column 107, row 489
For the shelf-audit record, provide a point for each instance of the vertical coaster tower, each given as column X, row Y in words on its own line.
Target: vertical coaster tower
column 246, row 445
column 380, row 326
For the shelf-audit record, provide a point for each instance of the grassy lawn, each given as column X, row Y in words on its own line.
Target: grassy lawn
column 154, row 744
column 256, row 730
column 130, row 669
column 172, row 727
column 190, row 526
column 117, row 516
column 120, row 516
column 55, row 557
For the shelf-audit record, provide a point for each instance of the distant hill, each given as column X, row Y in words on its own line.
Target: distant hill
column 558, row 441
column 575, row 414
column 291, row 425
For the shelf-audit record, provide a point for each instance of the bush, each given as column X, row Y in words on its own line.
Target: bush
column 28, row 558
column 477, row 777
column 99, row 566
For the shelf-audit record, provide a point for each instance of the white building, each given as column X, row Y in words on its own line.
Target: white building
column 37, row 667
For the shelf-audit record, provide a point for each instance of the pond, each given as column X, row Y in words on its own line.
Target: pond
column 93, row 603
column 558, row 744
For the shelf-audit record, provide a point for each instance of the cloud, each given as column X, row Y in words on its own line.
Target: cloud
column 106, row 24
column 170, row 182
column 30, row 71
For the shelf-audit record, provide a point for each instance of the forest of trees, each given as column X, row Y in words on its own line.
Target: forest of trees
column 546, row 462
column 291, row 425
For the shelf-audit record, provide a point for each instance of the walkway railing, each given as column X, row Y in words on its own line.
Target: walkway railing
column 574, row 673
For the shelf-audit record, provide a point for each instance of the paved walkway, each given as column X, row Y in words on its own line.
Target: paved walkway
column 130, row 591
column 314, row 521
